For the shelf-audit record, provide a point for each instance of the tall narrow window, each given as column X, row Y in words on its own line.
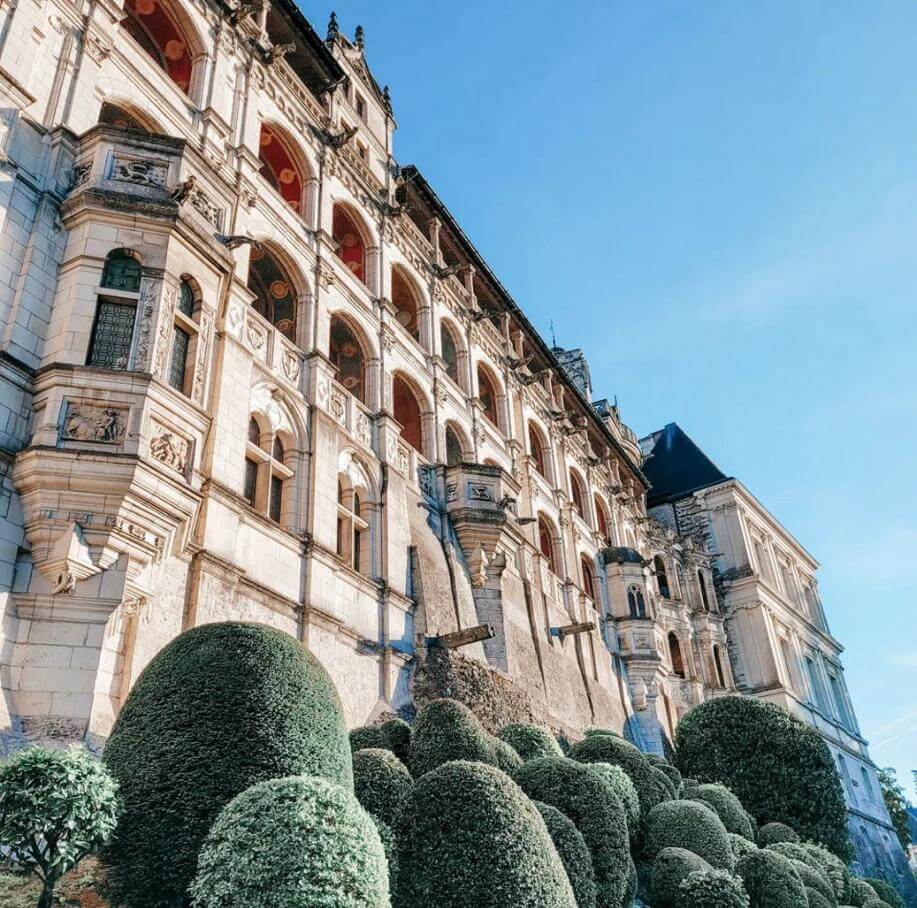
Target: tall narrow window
column 346, row 354
column 353, row 537
column 487, row 394
column 588, row 579
column 718, row 665
column 275, row 295
column 601, row 516
column 279, row 166
column 576, row 493
column 703, row 591
column 538, row 451
column 407, row 413
column 636, row 603
column 662, row 578
column 404, row 300
column 266, row 473
column 184, row 337
column 449, row 351
column 546, row 543
column 116, row 311
column 350, row 247
column 678, row 665
column 250, row 481
column 453, row 448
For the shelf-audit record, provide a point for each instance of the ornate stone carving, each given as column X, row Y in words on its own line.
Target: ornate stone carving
column 171, row 449
column 139, row 170
column 363, row 429
column 235, row 319
column 480, row 492
column 325, row 275
column 323, row 393
column 256, row 337
column 338, row 406
column 211, row 213
column 289, row 363
column 81, row 174
column 84, row 422
column 97, row 47
column 203, row 355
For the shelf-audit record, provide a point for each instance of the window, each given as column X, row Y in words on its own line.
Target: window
column 266, row 472
column 353, row 537
column 122, row 272
column 661, row 577
column 346, row 354
column 487, row 394
column 184, row 337
column 180, row 342
column 576, row 493
column 251, row 480
column 120, row 118
column 404, row 300
column 275, row 295
column 588, row 579
column 360, row 105
column 546, row 543
column 112, row 336
column 681, row 588
column 601, row 516
column 867, row 784
column 815, row 684
column 454, row 454
column 790, row 662
column 840, row 700
column 636, row 603
column 449, row 352
column 678, row 665
column 764, row 565
column 718, row 665
column 703, row 591
column 153, row 27
column 279, row 166
column 407, row 413
column 351, row 249
column 537, row 450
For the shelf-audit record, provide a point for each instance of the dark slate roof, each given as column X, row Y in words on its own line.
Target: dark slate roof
column 619, row 554
column 676, row 466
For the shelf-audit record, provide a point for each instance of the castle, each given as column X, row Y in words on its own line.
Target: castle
column 251, row 368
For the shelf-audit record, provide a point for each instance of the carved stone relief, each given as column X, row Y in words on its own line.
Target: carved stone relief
column 84, row 422
column 170, row 449
column 139, row 170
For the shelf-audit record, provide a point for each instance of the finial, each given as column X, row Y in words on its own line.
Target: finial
column 387, row 99
column 553, row 338
column 359, row 38
column 332, row 28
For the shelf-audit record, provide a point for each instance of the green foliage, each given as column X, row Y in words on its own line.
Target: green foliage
column 818, row 858
column 447, row 730
column 624, row 788
column 468, row 836
column 530, row 741
column 666, row 767
column 390, row 847
column 726, row 806
column 771, row 833
column 18, row 892
column 573, row 851
column 56, row 807
column 815, row 879
column 740, row 845
column 711, row 889
column 886, row 892
column 817, row 900
column 300, row 842
column 394, row 735
column 505, row 756
column 771, row 880
column 594, row 808
column 690, row 825
column 222, row 707
column 859, row 892
column 897, row 803
column 668, row 869
column 380, row 782
column 592, row 730
column 653, row 787
column 778, row 766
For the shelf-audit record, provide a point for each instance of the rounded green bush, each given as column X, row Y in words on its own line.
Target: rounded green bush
column 530, row 741
column 690, row 825
column 740, row 845
column 711, row 889
column 778, row 766
column 573, row 851
column 300, row 842
column 819, row 859
column 220, row 708
column 653, row 787
column 726, row 805
column 665, row 781
column 815, row 879
column 596, row 811
column 886, row 892
column 771, row 833
column 394, row 735
column 592, row 730
column 380, row 782
column 666, row 767
column 859, row 892
column 624, row 788
column 817, row 900
column 771, row 880
column 630, row 890
column 505, row 756
column 468, row 836
column 668, row 869
column 446, row 730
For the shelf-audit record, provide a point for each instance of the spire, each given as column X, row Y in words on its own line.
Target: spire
column 387, row 99
column 332, row 28
column 359, row 38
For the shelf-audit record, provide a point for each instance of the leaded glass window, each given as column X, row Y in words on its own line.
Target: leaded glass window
column 180, row 341
column 121, row 273
column 110, row 347
column 186, row 299
column 276, row 498
column 251, row 481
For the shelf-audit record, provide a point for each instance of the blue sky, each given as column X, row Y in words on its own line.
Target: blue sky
column 718, row 202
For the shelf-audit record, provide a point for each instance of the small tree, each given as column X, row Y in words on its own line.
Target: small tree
column 896, row 802
column 56, row 807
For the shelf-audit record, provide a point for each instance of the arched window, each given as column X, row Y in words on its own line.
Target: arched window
column 662, row 578
column 154, row 28
column 678, row 666
column 184, row 338
column 114, row 115
column 346, row 354
column 680, row 584
column 487, row 394
column 636, row 604
column 538, row 450
column 601, row 516
column 588, row 579
column 405, row 303
column 353, row 537
column 546, row 543
column 718, row 664
column 407, row 413
column 577, row 494
column 112, row 338
column 351, row 249
column 275, row 296
column 703, row 591
column 454, row 455
column 280, row 168
column 449, row 351
column 266, row 472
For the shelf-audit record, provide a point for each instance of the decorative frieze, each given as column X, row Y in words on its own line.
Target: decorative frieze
column 97, row 424
column 170, row 449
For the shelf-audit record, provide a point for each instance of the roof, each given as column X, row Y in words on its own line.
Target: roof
column 676, row 466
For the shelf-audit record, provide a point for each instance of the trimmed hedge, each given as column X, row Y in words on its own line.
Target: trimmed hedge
column 220, row 708
column 505, row 756
column 530, row 741
column 653, row 787
column 712, row 889
column 668, row 869
column 771, row 880
column 380, row 782
column 390, row 847
column 740, row 845
column 666, row 767
column 300, row 842
column 468, row 836
column 817, row 900
column 726, row 806
column 573, row 851
column 394, row 735
column 778, row 766
column 814, row 879
column 771, row 833
column 624, row 788
column 594, row 808
column 886, row 892
column 820, row 860
column 446, row 730
column 690, row 825
column 859, row 892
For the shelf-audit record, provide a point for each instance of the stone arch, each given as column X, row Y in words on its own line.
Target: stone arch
column 412, row 410
column 453, row 351
column 407, row 300
column 578, row 494
column 285, row 166
column 549, row 542
column 281, row 291
column 490, row 393
column 602, row 517
column 353, row 239
column 351, row 352
column 458, row 444
column 123, row 114
column 539, row 449
column 675, row 655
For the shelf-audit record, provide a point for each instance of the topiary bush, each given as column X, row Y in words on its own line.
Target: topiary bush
column 819, row 859
column 771, row 880
column 778, row 766
column 447, row 730
column 690, row 825
column 886, row 892
column 817, row 900
column 380, row 782
column 668, row 869
column 740, row 845
column 573, row 851
column 530, row 741
column 394, row 735
column 771, row 833
column 814, row 879
column 505, row 756
column 653, row 787
column 220, row 708
column 624, row 788
column 594, row 808
column 467, row 836
column 859, row 892
column 300, row 842
column 726, row 806
column 668, row 769
column 711, row 889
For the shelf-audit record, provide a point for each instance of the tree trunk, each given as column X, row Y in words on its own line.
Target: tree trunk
column 46, row 899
